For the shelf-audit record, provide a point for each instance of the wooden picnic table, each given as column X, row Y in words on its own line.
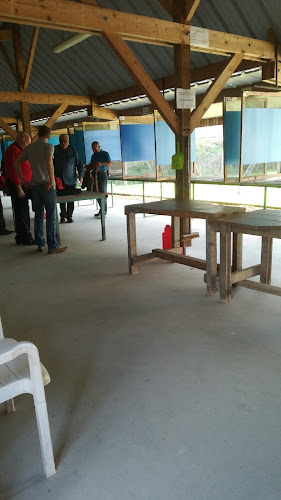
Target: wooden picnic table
column 264, row 223
column 178, row 209
column 84, row 195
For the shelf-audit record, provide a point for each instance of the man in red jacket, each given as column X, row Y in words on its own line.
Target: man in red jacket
column 19, row 194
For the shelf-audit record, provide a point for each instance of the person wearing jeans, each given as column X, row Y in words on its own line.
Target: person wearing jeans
column 40, row 156
column 101, row 161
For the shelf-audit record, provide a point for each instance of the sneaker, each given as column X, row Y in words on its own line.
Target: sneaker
column 62, row 220
column 58, row 250
column 41, row 249
column 70, row 219
column 5, row 232
column 98, row 215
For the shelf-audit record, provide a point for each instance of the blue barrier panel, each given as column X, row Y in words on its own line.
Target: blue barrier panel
column 5, row 145
column 137, row 142
column 109, row 140
column 232, row 132
column 79, row 144
column 261, row 132
column 54, row 140
column 165, row 144
column 72, row 140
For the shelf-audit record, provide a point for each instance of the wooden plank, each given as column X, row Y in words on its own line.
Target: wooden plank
column 211, row 258
column 6, row 35
column 8, row 129
column 143, row 259
column 266, row 260
column 90, row 19
column 191, row 6
column 132, row 243
column 244, row 274
column 225, row 264
column 191, row 236
column 39, row 98
column 61, row 109
column 237, row 251
column 30, row 57
column 180, row 259
column 215, row 89
column 261, row 287
column 167, row 5
column 25, row 116
column 8, row 61
column 176, row 234
column 131, row 63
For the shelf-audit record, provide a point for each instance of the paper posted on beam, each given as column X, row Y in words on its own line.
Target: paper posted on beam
column 199, row 37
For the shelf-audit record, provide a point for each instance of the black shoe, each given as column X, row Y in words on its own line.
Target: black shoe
column 5, row 232
column 69, row 219
column 29, row 242
column 62, row 220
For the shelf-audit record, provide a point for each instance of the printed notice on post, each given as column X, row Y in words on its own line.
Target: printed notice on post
column 186, row 99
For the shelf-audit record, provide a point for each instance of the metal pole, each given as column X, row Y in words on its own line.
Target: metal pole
column 264, row 197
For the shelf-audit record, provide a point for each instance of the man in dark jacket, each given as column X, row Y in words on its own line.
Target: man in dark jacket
column 68, row 167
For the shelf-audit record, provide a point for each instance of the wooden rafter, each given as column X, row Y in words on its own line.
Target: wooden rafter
column 8, row 61
column 39, row 98
column 7, row 128
column 191, row 6
column 6, row 35
column 89, row 19
column 30, row 57
column 126, row 56
column 20, row 77
column 167, row 5
column 59, row 111
column 216, row 87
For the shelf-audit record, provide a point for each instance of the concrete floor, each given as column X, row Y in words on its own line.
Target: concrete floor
column 158, row 391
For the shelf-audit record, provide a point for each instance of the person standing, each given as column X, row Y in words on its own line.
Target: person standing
column 101, row 161
column 19, row 194
column 67, row 164
column 40, row 156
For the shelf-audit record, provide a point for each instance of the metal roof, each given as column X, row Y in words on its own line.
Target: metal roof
column 92, row 63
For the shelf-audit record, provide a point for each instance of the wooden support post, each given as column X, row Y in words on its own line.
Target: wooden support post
column 8, row 129
column 266, row 260
column 182, row 74
column 211, row 258
column 24, row 107
column 225, row 263
column 30, row 57
column 237, row 252
column 132, row 242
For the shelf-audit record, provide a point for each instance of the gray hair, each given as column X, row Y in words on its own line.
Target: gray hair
column 22, row 136
column 64, row 136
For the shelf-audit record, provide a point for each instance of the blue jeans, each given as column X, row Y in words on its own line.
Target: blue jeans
column 45, row 199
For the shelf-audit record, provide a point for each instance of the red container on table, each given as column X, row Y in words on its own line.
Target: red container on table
column 167, row 238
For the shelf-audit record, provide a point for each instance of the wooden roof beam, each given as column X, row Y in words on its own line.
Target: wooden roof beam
column 214, row 89
column 191, row 6
column 91, row 19
column 8, row 61
column 7, row 129
column 30, row 57
column 6, row 35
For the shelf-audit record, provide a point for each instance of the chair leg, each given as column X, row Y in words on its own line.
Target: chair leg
column 45, row 438
column 10, row 406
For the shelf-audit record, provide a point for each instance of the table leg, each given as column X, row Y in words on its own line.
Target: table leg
column 225, row 263
column 266, row 260
column 237, row 253
column 211, row 258
column 176, row 234
column 57, row 225
column 132, row 242
column 103, row 219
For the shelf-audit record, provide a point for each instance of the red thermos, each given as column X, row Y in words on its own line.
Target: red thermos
column 167, row 238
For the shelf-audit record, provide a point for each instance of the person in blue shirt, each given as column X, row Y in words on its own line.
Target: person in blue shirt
column 67, row 165
column 101, row 161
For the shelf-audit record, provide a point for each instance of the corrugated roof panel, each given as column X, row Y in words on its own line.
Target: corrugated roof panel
column 93, row 64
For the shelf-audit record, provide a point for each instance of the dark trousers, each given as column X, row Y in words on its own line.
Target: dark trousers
column 2, row 220
column 21, row 214
column 67, row 209
column 102, row 183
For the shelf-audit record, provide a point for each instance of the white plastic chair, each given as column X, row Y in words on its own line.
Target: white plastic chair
column 21, row 372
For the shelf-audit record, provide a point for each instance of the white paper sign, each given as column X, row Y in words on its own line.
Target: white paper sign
column 186, row 98
column 199, row 37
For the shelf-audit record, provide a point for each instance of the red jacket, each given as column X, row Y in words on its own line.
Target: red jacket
column 10, row 156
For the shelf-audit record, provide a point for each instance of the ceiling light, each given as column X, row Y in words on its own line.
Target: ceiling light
column 66, row 44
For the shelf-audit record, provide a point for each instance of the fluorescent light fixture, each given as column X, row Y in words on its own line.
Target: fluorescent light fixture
column 66, row 44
